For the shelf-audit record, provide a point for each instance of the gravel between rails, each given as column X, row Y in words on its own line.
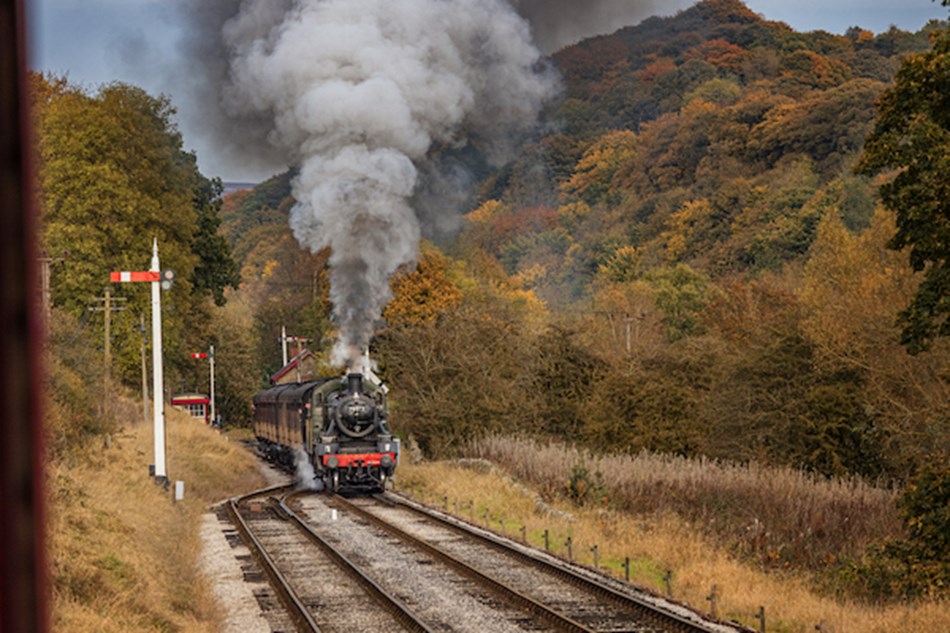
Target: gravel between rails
column 544, row 587
column 441, row 597
column 336, row 601
column 560, row 595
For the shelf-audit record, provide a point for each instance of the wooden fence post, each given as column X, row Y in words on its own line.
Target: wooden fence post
column 713, row 598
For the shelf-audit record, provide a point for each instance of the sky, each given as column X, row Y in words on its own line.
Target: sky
column 93, row 42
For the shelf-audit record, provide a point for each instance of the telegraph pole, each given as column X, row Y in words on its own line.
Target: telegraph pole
column 107, row 352
column 45, row 276
column 109, row 305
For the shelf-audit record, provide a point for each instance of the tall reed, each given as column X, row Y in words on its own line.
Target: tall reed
column 779, row 516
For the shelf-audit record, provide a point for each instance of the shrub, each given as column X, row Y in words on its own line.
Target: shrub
column 917, row 566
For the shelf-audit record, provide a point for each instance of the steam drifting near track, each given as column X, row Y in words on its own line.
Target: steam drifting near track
column 361, row 95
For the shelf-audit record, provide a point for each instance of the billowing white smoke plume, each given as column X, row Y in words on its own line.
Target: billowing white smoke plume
column 304, row 475
column 360, row 94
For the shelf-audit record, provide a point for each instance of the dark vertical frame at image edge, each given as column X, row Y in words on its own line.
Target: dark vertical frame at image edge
column 23, row 575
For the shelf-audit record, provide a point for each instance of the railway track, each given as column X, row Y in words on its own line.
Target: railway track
column 583, row 599
column 424, row 571
column 312, row 578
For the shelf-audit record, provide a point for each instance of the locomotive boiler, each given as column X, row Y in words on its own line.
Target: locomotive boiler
column 340, row 425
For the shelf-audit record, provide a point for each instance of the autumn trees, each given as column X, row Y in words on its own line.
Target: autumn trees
column 911, row 144
column 715, row 273
column 113, row 176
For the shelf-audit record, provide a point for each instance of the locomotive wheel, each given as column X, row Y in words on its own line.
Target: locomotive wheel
column 335, row 482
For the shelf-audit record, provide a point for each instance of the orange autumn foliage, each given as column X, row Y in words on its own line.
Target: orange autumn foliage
column 423, row 294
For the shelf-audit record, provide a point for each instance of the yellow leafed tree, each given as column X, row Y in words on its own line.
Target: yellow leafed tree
column 423, row 294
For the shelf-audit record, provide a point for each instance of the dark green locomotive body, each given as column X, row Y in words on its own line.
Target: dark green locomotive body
column 339, row 424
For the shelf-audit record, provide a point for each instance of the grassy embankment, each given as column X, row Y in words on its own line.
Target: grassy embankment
column 675, row 514
column 124, row 556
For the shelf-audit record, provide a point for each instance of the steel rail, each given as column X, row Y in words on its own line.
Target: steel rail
column 643, row 608
column 288, row 597
column 503, row 591
column 389, row 602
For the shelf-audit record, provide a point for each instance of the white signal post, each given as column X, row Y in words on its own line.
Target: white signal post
column 210, row 357
column 158, row 387
column 283, row 344
column 213, row 418
column 154, row 276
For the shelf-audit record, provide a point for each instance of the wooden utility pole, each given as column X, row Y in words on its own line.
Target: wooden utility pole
column 45, row 278
column 108, row 334
column 109, row 305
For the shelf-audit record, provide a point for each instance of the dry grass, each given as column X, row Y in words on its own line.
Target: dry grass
column 655, row 543
column 779, row 516
column 124, row 555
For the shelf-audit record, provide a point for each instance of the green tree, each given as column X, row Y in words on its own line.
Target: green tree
column 912, row 137
column 681, row 295
column 567, row 375
column 216, row 269
column 917, row 566
column 113, row 176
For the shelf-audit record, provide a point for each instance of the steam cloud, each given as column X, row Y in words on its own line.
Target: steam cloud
column 379, row 103
column 304, row 475
column 363, row 96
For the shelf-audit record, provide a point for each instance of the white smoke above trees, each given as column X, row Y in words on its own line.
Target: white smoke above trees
column 363, row 94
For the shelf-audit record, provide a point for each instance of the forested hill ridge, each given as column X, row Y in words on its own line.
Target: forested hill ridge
column 713, row 137
column 684, row 260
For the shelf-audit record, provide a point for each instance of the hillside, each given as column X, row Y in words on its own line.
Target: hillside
column 712, row 138
column 684, row 261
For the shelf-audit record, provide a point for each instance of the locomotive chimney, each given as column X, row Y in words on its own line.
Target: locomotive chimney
column 354, row 383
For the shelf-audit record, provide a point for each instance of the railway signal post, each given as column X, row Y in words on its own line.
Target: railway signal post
column 159, row 281
column 210, row 357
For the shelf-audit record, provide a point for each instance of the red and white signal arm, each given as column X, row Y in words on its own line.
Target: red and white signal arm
column 166, row 276
column 199, row 355
column 134, row 276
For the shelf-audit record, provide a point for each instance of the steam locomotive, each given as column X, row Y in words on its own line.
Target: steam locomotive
column 339, row 424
